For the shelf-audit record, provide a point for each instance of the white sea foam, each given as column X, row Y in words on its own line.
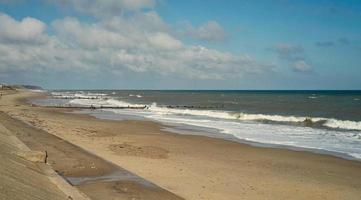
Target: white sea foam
column 208, row 113
column 355, row 155
column 135, row 95
column 37, row 90
column 249, row 127
column 328, row 122
column 96, row 94
column 340, row 142
column 343, row 124
column 82, row 95
column 60, row 93
column 103, row 102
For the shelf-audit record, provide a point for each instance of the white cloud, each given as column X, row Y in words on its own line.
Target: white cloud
column 210, row 31
column 301, row 66
column 294, row 56
column 90, row 36
column 136, row 43
column 287, row 51
column 28, row 30
column 164, row 41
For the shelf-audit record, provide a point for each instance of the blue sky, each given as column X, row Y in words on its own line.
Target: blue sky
column 169, row 44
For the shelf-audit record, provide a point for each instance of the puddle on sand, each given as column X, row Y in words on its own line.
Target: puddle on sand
column 119, row 175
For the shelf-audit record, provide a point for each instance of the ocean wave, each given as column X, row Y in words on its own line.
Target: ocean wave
column 343, row 124
column 296, row 131
column 327, row 122
column 135, row 95
column 79, row 95
column 103, row 102
column 114, row 102
column 59, row 93
column 38, row 90
column 227, row 115
column 207, row 113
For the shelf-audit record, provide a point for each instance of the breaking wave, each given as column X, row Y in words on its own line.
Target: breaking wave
column 338, row 136
column 99, row 99
column 328, row 122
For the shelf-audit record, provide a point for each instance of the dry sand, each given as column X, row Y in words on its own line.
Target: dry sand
column 195, row 167
column 94, row 176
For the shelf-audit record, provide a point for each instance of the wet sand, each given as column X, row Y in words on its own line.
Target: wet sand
column 94, row 176
column 192, row 167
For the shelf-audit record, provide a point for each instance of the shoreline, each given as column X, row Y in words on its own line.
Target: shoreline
column 197, row 167
column 184, row 129
column 82, row 170
column 288, row 131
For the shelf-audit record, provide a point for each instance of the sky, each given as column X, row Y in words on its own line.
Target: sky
column 188, row 44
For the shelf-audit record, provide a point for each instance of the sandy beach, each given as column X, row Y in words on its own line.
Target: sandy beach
column 188, row 166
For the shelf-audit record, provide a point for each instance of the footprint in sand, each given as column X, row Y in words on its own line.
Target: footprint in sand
column 141, row 151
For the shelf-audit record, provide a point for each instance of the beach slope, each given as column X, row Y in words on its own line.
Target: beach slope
column 193, row 167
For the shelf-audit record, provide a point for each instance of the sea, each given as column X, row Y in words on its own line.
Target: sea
column 327, row 122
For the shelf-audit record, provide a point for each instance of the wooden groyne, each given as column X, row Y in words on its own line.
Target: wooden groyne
column 132, row 107
column 99, row 107
column 195, row 107
column 61, row 97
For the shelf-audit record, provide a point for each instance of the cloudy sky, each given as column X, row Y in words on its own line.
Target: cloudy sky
column 188, row 44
